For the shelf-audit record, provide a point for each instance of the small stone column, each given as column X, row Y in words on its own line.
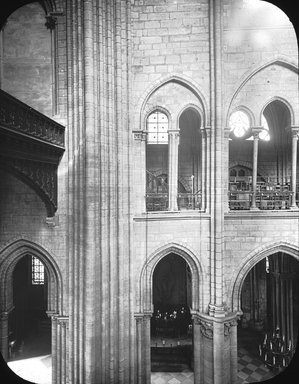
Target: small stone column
column 4, row 335
column 173, row 154
column 139, row 326
column 139, row 172
column 226, row 169
column 294, row 132
column 143, row 339
column 208, row 169
column 203, row 168
column 230, row 331
column 147, row 345
column 59, row 348
column 197, row 349
column 256, row 131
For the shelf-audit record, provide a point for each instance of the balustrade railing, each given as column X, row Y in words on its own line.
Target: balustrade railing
column 21, row 118
column 269, row 196
column 188, row 200
column 240, row 200
column 157, row 201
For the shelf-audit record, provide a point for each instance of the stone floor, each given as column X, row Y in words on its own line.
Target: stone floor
column 250, row 368
column 36, row 369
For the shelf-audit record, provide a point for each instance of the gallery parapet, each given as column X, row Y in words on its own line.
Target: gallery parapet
column 16, row 116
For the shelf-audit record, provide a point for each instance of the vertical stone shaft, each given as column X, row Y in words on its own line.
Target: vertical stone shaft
column 54, row 347
column 4, row 335
column 294, row 165
column 225, row 176
column 203, row 168
column 197, row 351
column 256, row 132
column 234, row 353
column 216, row 304
column 173, row 169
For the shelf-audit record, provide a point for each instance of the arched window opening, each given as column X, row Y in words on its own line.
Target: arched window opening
column 270, row 302
column 157, row 162
column 190, row 160
column 239, row 123
column 268, row 147
column 171, row 324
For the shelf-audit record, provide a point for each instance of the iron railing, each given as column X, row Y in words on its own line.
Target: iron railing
column 188, row 200
column 265, row 200
column 156, row 201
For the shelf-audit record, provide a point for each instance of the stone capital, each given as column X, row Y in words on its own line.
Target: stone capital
column 174, row 132
column 51, row 22
column 139, row 135
column 3, row 316
column 227, row 132
column 63, row 320
column 256, row 131
column 294, row 130
column 228, row 325
column 208, row 131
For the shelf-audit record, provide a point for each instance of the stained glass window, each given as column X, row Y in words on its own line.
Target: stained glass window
column 239, row 123
column 38, row 271
column 157, row 128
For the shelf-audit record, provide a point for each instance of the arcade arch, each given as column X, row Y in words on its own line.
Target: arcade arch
column 10, row 258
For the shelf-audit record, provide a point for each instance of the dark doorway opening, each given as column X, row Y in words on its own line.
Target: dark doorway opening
column 268, row 330
column 29, row 325
column 171, row 323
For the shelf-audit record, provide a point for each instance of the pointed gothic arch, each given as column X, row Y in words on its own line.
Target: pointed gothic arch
column 146, row 279
column 279, row 60
column 179, row 79
column 10, row 255
column 252, row 259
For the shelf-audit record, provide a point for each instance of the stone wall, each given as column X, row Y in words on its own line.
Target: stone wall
column 23, row 216
column 26, row 58
column 169, row 38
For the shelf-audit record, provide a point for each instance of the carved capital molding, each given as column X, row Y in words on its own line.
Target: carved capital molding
column 256, row 132
column 139, row 135
column 63, row 321
column 228, row 325
column 206, row 328
column 175, row 133
column 141, row 316
column 294, row 132
column 3, row 316
column 203, row 132
column 51, row 22
column 227, row 132
column 208, row 132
